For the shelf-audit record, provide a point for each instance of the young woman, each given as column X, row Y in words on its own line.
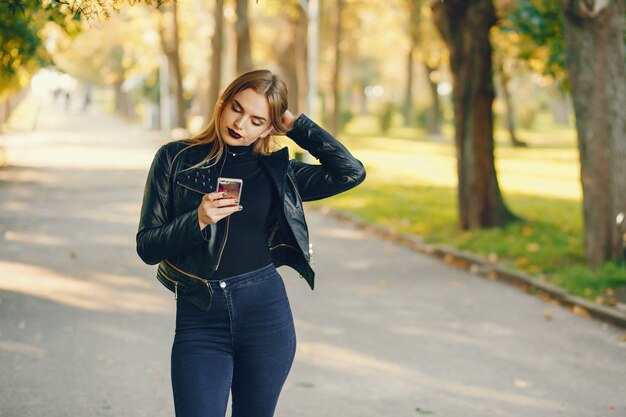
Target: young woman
column 234, row 328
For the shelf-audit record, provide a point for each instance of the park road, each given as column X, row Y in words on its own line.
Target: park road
column 86, row 329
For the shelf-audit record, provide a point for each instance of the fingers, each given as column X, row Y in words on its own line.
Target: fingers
column 215, row 207
column 213, row 196
column 218, row 200
column 225, row 202
column 288, row 119
column 224, row 211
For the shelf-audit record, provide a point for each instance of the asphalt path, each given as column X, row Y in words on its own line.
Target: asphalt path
column 86, row 329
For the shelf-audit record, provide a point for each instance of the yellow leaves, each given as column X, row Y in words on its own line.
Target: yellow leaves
column 527, row 231
column 580, row 311
column 532, row 247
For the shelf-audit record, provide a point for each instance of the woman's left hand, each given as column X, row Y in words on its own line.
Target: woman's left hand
column 288, row 119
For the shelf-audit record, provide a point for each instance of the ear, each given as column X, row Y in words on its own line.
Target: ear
column 266, row 133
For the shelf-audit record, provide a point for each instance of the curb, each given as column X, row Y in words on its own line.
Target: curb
column 480, row 266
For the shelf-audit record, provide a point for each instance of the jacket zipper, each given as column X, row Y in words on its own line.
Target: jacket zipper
column 219, row 258
column 183, row 272
column 172, row 280
column 205, row 281
column 284, row 244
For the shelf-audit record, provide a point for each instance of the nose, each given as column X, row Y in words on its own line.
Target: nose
column 240, row 121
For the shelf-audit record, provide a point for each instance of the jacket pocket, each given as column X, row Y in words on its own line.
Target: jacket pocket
column 193, row 288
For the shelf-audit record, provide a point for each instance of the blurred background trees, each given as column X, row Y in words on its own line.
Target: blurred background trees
column 480, row 73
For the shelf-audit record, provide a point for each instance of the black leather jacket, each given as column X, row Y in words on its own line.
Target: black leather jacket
column 169, row 233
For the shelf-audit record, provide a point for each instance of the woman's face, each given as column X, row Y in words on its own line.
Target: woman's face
column 245, row 118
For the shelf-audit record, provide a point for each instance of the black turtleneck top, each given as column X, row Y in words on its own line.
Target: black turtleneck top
column 246, row 246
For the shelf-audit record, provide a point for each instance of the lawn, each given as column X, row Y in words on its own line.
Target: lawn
column 411, row 187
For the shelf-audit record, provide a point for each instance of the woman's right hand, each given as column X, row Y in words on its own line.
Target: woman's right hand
column 214, row 207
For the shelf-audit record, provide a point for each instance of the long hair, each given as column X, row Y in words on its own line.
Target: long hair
column 263, row 82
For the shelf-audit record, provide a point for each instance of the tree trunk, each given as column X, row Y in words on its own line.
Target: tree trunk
column 434, row 115
column 407, row 111
column 301, row 61
column 335, row 108
column 415, row 16
column 285, row 48
column 508, row 105
column 594, row 38
column 242, row 28
column 464, row 26
column 216, row 56
column 170, row 44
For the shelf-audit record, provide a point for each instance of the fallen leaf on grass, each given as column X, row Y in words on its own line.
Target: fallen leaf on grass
column 532, row 247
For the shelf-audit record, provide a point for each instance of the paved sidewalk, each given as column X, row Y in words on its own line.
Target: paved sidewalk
column 86, row 330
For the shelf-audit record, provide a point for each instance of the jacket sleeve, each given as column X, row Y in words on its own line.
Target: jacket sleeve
column 160, row 234
column 339, row 170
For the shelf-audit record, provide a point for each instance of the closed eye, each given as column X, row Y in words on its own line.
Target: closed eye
column 254, row 122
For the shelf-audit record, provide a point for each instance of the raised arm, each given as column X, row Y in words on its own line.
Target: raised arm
column 339, row 170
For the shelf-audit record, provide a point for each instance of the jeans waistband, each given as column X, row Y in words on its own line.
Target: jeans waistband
column 249, row 277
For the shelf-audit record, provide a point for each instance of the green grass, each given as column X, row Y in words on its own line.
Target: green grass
column 411, row 187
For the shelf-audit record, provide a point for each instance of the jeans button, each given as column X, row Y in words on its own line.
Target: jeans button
column 222, row 284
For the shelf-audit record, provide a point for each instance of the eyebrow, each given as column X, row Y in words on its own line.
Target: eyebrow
column 256, row 117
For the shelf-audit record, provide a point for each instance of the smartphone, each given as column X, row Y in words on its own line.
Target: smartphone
column 231, row 186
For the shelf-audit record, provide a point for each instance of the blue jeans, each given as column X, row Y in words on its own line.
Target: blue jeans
column 246, row 343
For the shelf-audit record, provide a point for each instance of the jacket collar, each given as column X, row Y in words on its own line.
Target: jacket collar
column 276, row 164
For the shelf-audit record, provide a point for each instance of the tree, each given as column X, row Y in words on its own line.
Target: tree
column 290, row 53
column 505, row 59
column 431, row 54
column 415, row 17
column 334, row 125
column 582, row 44
column 216, row 55
column 22, row 51
column 168, row 31
column 594, row 40
column 242, row 29
column 464, row 26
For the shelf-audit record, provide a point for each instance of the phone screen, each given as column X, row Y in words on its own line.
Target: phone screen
column 230, row 186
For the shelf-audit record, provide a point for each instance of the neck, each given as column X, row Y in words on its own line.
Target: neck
column 239, row 150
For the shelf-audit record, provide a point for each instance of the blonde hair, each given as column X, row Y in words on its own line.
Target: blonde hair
column 263, row 82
